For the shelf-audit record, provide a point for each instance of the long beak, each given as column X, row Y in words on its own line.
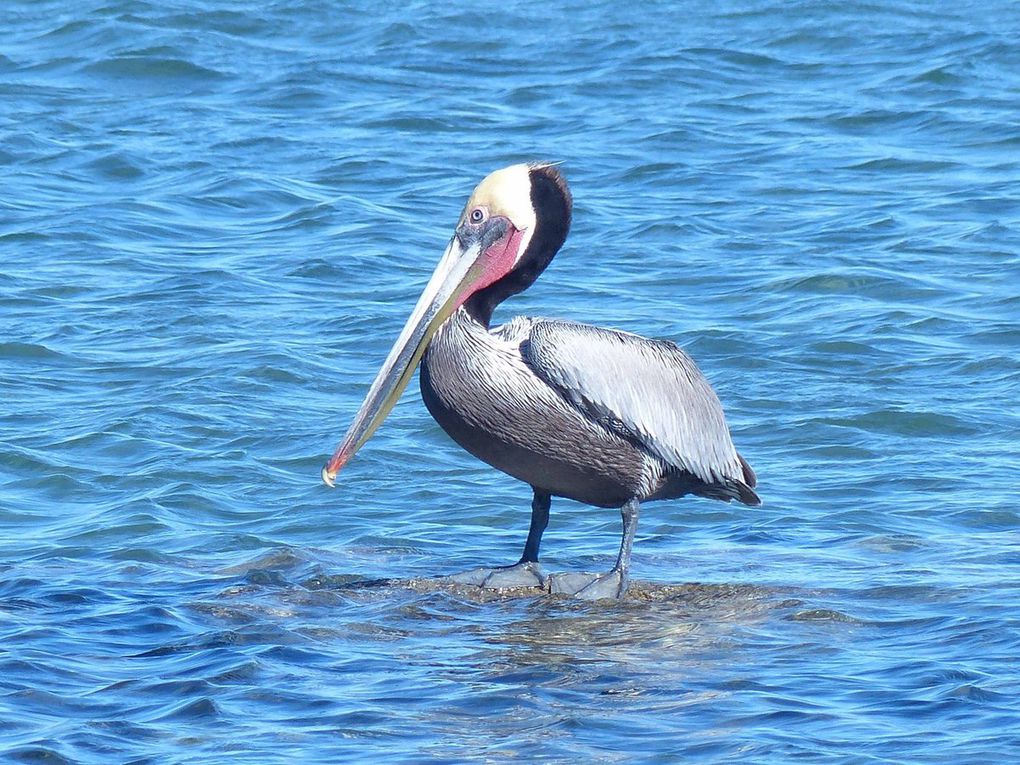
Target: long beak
column 446, row 290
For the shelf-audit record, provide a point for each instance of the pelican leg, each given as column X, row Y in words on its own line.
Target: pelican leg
column 612, row 584
column 526, row 572
column 539, row 520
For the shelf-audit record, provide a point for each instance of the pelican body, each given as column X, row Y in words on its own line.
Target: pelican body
column 601, row 416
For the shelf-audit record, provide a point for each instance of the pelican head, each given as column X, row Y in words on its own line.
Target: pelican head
column 513, row 224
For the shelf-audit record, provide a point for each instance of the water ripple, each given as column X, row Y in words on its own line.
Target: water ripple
column 215, row 221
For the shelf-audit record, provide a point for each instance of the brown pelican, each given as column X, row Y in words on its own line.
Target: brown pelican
column 597, row 415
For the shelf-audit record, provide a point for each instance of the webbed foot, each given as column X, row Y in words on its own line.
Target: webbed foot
column 609, row 586
column 523, row 574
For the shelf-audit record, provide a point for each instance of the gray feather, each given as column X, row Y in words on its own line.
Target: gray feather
column 647, row 391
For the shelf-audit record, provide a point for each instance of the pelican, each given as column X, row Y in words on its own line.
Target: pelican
column 600, row 416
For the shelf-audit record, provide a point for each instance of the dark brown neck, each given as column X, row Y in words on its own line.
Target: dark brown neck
column 551, row 201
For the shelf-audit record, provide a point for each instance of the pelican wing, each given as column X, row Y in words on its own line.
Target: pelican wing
column 647, row 391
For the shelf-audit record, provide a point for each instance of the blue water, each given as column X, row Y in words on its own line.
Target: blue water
column 214, row 219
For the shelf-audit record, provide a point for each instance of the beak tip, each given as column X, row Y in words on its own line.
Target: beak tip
column 328, row 476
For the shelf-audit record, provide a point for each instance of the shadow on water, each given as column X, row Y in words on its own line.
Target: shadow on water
column 452, row 669
column 540, row 628
column 534, row 626
column 692, row 596
column 523, row 627
column 288, row 569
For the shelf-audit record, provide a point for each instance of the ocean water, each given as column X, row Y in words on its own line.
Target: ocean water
column 214, row 219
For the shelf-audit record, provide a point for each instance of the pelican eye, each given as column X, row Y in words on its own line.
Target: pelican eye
column 477, row 215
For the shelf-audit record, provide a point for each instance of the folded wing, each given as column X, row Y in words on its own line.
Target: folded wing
column 647, row 391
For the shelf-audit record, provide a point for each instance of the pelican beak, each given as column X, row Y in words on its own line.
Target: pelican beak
column 459, row 273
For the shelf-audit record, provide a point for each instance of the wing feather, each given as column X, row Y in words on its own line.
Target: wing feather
column 647, row 391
